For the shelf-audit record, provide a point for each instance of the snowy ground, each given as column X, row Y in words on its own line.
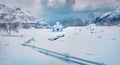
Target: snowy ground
column 101, row 45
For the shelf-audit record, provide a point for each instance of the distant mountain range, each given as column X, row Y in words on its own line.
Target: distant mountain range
column 109, row 18
column 74, row 22
column 20, row 15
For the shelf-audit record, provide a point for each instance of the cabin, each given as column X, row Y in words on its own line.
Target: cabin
column 57, row 27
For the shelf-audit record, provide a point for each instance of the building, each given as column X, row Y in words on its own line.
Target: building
column 57, row 27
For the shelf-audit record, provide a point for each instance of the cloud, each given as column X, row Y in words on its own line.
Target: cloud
column 37, row 4
column 81, row 5
column 56, row 3
column 48, row 8
column 71, row 5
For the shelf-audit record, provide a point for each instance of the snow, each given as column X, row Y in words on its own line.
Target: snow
column 57, row 27
column 112, row 14
column 15, row 14
column 105, row 14
column 115, row 13
column 56, row 37
column 101, row 46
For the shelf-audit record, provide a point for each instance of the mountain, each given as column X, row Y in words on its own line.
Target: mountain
column 14, row 15
column 109, row 18
column 74, row 22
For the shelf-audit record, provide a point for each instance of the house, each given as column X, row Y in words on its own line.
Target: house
column 57, row 27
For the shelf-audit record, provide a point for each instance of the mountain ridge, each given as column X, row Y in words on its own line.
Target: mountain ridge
column 109, row 18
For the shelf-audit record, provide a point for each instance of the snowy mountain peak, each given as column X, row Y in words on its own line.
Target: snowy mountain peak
column 115, row 13
column 18, row 9
column 106, row 14
column 111, row 14
column 22, row 11
column 15, row 14
column 109, row 18
column 2, row 6
column 118, row 8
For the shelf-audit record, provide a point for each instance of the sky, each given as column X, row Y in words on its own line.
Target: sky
column 59, row 10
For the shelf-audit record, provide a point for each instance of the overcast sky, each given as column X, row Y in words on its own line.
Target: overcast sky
column 63, row 9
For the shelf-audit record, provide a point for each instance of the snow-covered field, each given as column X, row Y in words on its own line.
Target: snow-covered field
column 100, row 45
